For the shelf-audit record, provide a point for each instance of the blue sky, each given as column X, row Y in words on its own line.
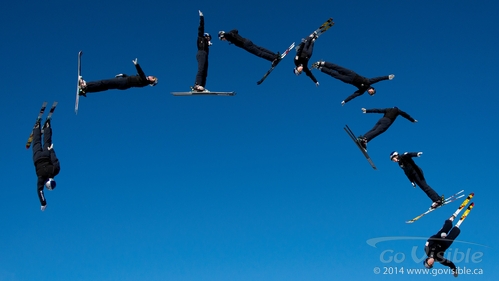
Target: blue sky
column 264, row 185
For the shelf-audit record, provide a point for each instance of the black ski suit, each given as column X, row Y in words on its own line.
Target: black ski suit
column 415, row 174
column 436, row 246
column 350, row 77
column 202, row 54
column 303, row 55
column 390, row 114
column 122, row 82
column 46, row 162
column 233, row 37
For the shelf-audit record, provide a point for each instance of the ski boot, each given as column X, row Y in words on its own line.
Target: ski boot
column 362, row 142
column 437, row 203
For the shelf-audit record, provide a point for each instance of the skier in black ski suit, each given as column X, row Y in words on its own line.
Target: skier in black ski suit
column 233, row 37
column 303, row 55
column 120, row 82
column 415, row 174
column 437, row 244
column 348, row 76
column 203, row 44
column 390, row 114
column 46, row 163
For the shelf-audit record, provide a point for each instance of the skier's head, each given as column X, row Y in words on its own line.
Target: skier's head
column 153, row 80
column 394, row 156
column 208, row 38
column 50, row 184
column 428, row 262
column 371, row 91
column 221, row 35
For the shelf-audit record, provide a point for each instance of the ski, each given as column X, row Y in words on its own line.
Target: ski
column 203, row 93
column 49, row 116
column 451, row 199
column 465, row 202
column 352, row 135
column 280, row 59
column 324, row 27
column 78, row 82
column 465, row 215
column 40, row 114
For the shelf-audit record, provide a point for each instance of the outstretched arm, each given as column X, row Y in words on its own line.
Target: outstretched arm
column 412, row 154
column 309, row 74
column 354, row 95
column 140, row 72
column 375, row 110
column 201, row 25
column 377, row 79
column 407, row 116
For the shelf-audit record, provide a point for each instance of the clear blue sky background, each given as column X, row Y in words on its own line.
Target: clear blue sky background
column 264, row 185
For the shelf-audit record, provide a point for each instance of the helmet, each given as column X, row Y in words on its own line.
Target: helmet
column 393, row 154
column 374, row 90
column 221, row 34
column 50, row 184
column 206, row 34
column 425, row 263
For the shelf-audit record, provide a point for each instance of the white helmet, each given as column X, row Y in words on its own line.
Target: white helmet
column 50, row 184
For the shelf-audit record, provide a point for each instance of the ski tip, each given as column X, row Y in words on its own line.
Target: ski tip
column 472, row 204
column 472, row 194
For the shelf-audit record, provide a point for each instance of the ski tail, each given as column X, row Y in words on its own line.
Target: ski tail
column 465, row 215
column 325, row 26
column 38, row 119
column 49, row 116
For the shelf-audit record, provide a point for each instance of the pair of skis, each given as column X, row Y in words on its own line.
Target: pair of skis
column 323, row 28
column 354, row 138
column 203, row 93
column 451, row 199
column 78, row 82
column 39, row 119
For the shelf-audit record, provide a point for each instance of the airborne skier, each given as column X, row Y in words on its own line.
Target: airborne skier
column 47, row 165
column 437, row 244
column 233, row 37
column 415, row 174
column 203, row 44
column 348, row 76
column 390, row 114
column 120, row 82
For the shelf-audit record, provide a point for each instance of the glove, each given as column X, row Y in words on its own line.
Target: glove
column 51, row 146
column 43, row 208
column 135, row 61
column 413, row 184
column 419, row 153
column 342, row 103
column 363, row 110
column 415, row 121
column 200, row 13
column 317, row 84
